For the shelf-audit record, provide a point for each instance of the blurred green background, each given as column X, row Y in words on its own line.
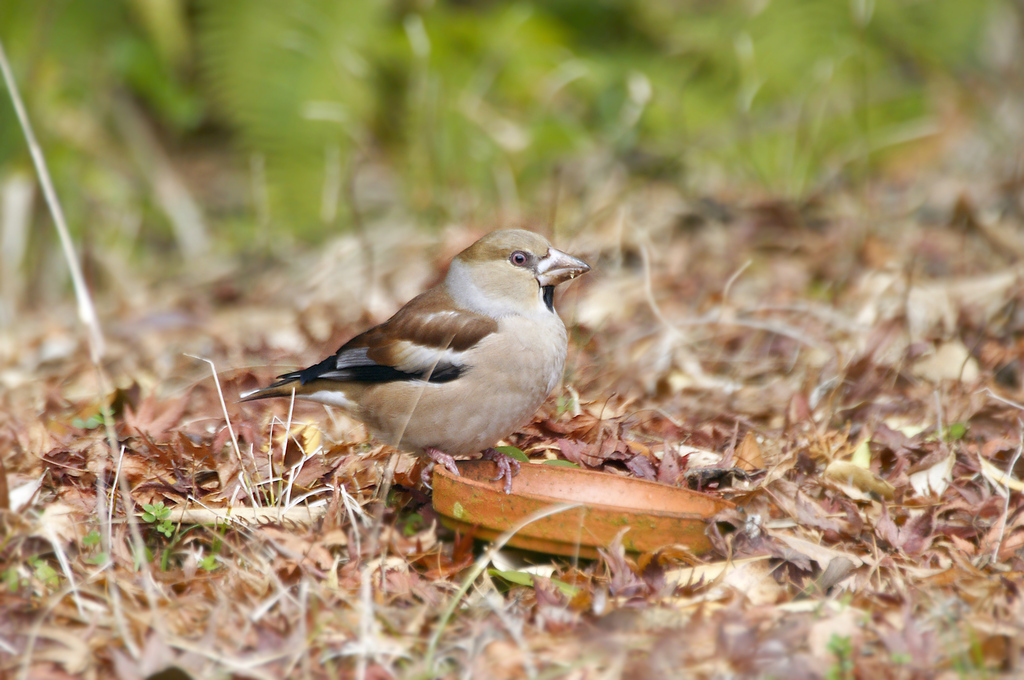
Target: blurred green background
column 185, row 125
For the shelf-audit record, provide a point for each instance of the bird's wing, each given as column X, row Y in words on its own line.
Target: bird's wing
column 427, row 339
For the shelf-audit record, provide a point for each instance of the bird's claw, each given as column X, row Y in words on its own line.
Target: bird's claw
column 508, row 467
column 437, row 456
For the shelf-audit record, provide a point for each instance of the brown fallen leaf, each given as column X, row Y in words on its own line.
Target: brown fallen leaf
column 5, row 498
column 748, row 454
column 933, row 479
column 863, row 480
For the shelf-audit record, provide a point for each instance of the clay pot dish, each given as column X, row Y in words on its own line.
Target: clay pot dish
column 657, row 515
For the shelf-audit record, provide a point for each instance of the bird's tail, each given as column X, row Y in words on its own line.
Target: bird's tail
column 286, row 386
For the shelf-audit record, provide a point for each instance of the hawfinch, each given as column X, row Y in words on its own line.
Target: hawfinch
column 460, row 366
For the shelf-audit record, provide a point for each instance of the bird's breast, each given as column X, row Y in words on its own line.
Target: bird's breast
column 508, row 376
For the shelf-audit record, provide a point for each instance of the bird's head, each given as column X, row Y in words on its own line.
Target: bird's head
column 512, row 271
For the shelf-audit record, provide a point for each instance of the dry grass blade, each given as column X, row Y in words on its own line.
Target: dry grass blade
column 86, row 309
column 477, row 569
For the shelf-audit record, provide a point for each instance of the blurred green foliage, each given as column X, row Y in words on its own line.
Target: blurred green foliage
column 475, row 104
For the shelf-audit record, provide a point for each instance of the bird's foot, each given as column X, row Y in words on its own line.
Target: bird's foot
column 437, row 456
column 508, row 467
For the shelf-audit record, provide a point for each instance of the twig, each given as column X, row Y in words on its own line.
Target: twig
column 113, row 491
column 170, row 191
column 714, row 318
column 478, row 568
column 1009, row 491
column 86, row 309
column 231, row 430
column 1002, row 400
column 732, row 279
column 86, row 314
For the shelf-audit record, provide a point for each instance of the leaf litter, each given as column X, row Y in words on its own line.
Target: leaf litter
column 855, row 391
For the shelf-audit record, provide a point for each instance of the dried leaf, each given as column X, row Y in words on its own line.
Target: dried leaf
column 748, row 454
column 998, row 477
column 949, row 361
column 935, row 479
column 5, row 498
column 862, row 454
column 846, row 473
column 821, row 554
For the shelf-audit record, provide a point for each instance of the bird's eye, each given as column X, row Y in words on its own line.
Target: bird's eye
column 519, row 258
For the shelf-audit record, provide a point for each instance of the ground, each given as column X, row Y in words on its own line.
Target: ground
column 846, row 370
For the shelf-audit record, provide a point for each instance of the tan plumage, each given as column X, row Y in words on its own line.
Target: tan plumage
column 460, row 366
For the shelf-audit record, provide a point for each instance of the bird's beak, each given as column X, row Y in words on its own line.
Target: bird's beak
column 557, row 267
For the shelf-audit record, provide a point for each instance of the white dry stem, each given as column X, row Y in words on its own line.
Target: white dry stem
column 86, row 314
column 170, row 191
column 252, row 450
column 139, row 554
column 259, row 610
column 114, row 593
column 286, row 499
column 62, row 558
column 231, row 430
column 366, row 618
column 86, row 309
column 299, row 500
column 24, row 672
column 1008, row 491
column 302, row 653
column 733, row 279
column 284, row 439
column 113, row 491
column 16, row 202
column 331, row 192
column 514, row 626
column 714, row 317
column 478, row 568
column 247, row 664
column 645, row 257
column 366, row 613
column 354, row 510
column 1002, row 400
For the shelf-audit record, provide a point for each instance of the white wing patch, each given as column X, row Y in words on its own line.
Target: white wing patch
column 332, row 398
column 411, row 357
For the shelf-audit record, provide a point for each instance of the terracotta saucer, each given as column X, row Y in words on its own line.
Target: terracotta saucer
column 657, row 515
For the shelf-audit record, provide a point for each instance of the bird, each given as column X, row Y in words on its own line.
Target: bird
column 460, row 366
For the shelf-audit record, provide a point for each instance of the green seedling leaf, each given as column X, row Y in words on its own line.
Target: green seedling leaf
column 97, row 559
column 90, row 423
column 155, row 512
column 956, row 431
column 11, row 579
column 139, row 556
column 45, row 573
column 208, row 563
column 522, row 578
column 513, row 452
column 566, row 589
column 413, row 523
column 90, row 539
